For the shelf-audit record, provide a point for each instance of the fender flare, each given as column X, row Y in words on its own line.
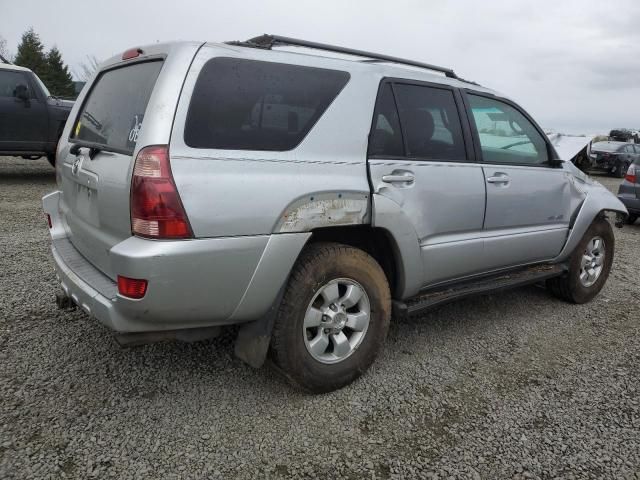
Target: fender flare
column 599, row 200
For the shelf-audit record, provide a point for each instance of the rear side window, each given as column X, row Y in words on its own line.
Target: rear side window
column 252, row 105
column 112, row 114
column 430, row 122
column 506, row 136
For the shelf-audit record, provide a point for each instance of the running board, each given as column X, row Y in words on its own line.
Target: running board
column 484, row 285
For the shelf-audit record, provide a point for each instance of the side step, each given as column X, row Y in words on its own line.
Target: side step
column 497, row 282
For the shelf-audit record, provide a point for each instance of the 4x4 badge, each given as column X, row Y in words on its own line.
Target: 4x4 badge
column 76, row 165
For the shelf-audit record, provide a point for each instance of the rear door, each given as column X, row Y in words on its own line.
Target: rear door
column 529, row 199
column 23, row 123
column 96, row 179
column 418, row 158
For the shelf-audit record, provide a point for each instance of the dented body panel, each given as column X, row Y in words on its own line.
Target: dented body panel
column 596, row 200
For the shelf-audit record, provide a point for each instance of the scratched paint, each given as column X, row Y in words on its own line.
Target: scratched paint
column 330, row 210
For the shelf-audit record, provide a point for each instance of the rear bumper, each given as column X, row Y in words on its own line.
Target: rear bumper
column 604, row 166
column 192, row 283
column 631, row 202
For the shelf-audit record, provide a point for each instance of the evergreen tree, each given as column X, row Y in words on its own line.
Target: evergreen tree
column 31, row 54
column 58, row 78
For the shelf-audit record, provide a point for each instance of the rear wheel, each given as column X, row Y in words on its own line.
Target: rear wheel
column 620, row 170
column 333, row 318
column 51, row 158
column 631, row 219
column 589, row 265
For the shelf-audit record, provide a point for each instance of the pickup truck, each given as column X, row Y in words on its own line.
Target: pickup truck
column 31, row 119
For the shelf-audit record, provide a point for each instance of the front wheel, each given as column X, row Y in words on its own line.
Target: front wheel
column 333, row 319
column 631, row 219
column 589, row 265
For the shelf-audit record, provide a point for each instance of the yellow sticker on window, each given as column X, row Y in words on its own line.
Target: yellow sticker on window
column 78, row 129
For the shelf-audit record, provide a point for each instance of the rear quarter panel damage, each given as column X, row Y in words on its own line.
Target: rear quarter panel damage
column 325, row 210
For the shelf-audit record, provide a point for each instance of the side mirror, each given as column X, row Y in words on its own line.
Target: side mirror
column 21, row 92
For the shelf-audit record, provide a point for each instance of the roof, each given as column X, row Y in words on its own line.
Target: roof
column 304, row 55
column 9, row 66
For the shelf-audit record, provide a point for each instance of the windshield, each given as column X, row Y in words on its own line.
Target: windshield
column 112, row 114
column 606, row 146
column 42, row 86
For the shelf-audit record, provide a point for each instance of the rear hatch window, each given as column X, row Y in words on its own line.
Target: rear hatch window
column 112, row 114
column 242, row 104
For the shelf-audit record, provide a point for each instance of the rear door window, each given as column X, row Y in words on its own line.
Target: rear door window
column 430, row 122
column 242, row 104
column 386, row 136
column 112, row 114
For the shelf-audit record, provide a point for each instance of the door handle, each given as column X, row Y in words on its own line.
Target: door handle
column 500, row 178
column 399, row 178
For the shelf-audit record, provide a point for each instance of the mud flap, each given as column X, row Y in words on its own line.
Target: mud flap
column 252, row 342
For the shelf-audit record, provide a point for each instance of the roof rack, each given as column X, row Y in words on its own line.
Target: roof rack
column 4, row 60
column 267, row 42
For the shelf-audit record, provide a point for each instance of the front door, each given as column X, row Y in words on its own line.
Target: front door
column 23, row 123
column 418, row 159
column 529, row 201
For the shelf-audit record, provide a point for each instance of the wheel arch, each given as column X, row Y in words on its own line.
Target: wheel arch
column 598, row 203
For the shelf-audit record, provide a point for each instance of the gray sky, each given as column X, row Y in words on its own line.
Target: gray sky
column 574, row 65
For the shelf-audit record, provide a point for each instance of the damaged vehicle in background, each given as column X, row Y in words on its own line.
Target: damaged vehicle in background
column 613, row 157
column 624, row 135
column 305, row 196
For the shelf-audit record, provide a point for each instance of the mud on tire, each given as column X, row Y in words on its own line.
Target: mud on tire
column 322, row 271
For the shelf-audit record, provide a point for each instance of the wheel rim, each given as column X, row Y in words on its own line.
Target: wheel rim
column 336, row 320
column 592, row 262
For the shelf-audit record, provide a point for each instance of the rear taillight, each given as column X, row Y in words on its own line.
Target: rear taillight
column 632, row 174
column 156, row 209
column 49, row 220
column 132, row 287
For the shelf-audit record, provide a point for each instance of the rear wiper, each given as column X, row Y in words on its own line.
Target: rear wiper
column 93, row 149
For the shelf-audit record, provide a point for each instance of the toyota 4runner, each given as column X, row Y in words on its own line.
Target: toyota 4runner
column 305, row 192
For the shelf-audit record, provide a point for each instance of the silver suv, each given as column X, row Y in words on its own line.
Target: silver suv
column 305, row 192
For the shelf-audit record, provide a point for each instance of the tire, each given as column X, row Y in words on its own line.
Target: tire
column 51, row 158
column 631, row 219
column 320, row 267
column 570, row 287
column 619, row 171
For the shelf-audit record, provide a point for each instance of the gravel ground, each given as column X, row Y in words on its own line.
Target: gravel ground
column 515, row 385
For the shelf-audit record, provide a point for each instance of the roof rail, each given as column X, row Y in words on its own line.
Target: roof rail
column 4, row 60
column 267, row 41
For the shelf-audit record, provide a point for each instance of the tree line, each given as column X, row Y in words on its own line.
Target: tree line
column 49, row 66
